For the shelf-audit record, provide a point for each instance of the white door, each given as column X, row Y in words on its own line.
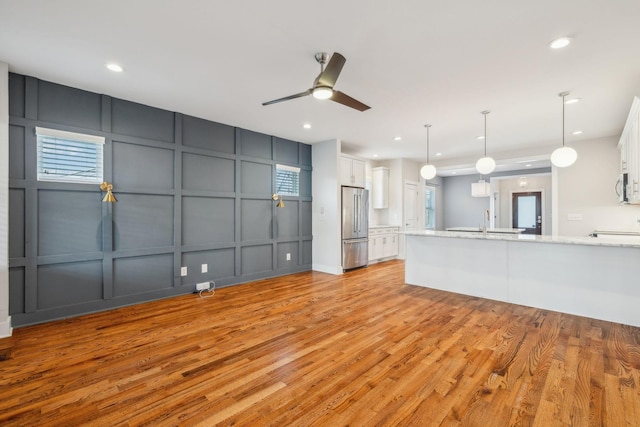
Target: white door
column 411, row 206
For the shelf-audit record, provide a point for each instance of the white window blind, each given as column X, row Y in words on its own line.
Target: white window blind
column 69, row 156
column 287, row 180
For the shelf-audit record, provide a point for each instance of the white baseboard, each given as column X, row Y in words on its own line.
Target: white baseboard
column 5, row 328
column 327, row 268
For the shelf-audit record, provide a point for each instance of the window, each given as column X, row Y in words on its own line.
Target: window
column 287, row 180
column 69, row 156
column 430, row 207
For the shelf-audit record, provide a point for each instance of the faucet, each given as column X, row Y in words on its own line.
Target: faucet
column 485, row 219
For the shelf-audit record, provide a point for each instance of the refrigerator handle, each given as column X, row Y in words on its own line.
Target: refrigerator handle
column 355, row 209
column 359, row 213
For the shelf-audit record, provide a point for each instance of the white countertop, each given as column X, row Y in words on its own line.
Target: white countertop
column 384, row 226
column 489, row 230
column 574, row 240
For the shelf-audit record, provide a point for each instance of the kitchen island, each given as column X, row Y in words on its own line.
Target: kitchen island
column 586, row 276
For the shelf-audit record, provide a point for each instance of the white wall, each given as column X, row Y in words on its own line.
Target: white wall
column 461, row 209
column 326, row 216
column 587, row 188
column 5, row 319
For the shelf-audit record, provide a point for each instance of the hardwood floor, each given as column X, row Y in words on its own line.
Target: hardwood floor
column 312, row 349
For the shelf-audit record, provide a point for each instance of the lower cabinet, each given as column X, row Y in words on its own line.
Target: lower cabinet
column 383, row 243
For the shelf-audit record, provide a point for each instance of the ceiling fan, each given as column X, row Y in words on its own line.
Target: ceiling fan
column 323, row 84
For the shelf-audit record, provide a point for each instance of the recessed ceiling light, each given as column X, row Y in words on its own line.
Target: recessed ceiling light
column 480, row 137
column 397, row 138
column 306, row 126
column 572, row 101
column 438, row 154
column 576, row 132
column 528, row 165
column 374, row 156
column 560, row 42
column 115, row 67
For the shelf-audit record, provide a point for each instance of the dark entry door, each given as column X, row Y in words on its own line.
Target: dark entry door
column 527, row 212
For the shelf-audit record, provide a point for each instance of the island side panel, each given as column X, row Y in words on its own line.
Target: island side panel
column 466, row 266
column 600, row 282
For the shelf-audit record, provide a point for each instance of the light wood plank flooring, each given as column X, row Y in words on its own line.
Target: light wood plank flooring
column 312, row 349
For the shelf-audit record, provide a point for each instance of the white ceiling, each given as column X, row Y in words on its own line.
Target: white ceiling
column 412, row 61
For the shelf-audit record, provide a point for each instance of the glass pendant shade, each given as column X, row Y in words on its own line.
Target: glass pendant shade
column 485, row 165
column 563, row 157
column 428, row 172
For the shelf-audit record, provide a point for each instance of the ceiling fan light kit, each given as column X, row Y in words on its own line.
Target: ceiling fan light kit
column 564, row 156
column 323, row 85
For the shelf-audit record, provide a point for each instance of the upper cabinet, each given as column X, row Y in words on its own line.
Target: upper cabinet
column 380, row 188
column 629, row 147
column 352, row 171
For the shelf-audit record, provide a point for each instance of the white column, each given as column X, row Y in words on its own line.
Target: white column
column 5, row 319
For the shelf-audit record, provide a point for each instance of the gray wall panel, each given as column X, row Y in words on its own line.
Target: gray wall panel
column 16, row 152
column 284, row 249
column 69, row 106
column 305, row 155
column 16, row 95
column 207, row 220
column 142, row 221
column 16, row 290
column 305, row 218
column 287, row 151
column 256, row 178
column 256, row 219
column 16, row 223
column 69, row 222
column 306, row 252
column 61, row 285
column 142, row 274
column 287, row 219
column 210, row 135
column 129, row 118
column 208, row 173
column 257, row 259
column 255, row 144
column 220, row 264
column 305, row 183
column 142, row 166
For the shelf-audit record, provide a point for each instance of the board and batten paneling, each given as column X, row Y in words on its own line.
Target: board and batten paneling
column 190, row 192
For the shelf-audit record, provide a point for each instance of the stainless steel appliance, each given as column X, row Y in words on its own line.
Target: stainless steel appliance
column 355, row 227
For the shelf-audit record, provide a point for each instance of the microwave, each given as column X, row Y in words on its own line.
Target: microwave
column 621, row 188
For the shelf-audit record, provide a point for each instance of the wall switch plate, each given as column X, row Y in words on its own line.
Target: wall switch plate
column 205, row 268
column 183, row 271
column 574, row 217
column 288, row 257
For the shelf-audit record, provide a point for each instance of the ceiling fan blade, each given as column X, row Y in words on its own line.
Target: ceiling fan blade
column 286, row 98
column 330, row 74
column 345, row 99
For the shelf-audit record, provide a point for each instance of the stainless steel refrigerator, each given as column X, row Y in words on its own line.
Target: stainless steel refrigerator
column 355, row 227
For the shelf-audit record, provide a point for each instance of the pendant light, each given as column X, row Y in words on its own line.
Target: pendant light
column 428, row 171
column 563, row 156
column 486, row 164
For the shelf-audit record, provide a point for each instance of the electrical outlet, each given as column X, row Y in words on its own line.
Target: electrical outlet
column 288, row 257
column 205, row 268
column 183, row 271
column 202, row 286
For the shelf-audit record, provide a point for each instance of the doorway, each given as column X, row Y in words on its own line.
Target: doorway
column 527, row 212
column 411, row 206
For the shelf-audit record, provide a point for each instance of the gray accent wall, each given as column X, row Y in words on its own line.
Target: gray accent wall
column 190, row 192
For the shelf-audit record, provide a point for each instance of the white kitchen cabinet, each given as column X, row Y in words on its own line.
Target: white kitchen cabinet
column 352, row 172
column 629, row 147
column 380, row 188
column 383, row 243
